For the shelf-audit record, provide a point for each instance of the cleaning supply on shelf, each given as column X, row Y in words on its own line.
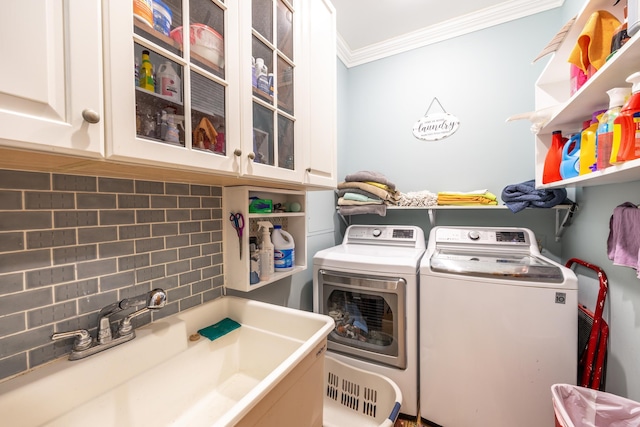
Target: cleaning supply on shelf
column 168, row 82
column 146, row 73
column 608, row 133
column 551, row 170
column 629, row 121
column 570, row 164
column 162, row 17
column 262, row 76
column 284, row 258
column 266, row 251
column 254, row 261
column 633, row 17
column 620, row 35
column 172, row 122
column 588, row 147
column 143, row 11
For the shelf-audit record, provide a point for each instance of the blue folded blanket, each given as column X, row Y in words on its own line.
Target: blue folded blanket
column 523, row 195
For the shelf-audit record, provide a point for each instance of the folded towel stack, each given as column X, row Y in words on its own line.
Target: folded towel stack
column 366, row 192
column 423, row 198
column 523, row 195
column 623, row 243
column 471, row 198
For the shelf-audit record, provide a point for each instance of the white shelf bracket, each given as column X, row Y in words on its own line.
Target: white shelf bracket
column 432, row 217
column 562, row 224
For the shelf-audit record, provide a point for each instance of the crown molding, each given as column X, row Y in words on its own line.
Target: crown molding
column 485, row 18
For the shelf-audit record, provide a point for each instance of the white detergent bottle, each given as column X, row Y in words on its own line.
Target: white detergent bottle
column 168, row 82
column 266, row 251
column 284, row 257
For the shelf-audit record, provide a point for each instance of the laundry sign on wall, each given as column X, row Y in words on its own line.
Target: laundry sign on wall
column 435, row 126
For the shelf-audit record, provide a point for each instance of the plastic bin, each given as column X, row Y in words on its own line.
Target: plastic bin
column 354, row 397
column 576, row 406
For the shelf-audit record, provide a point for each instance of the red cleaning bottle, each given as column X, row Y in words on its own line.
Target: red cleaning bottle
column 551, row 170
column 629, row 121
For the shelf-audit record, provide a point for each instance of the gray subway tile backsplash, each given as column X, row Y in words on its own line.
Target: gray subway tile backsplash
column 74, row 182
column 75, row 219
column 71, row 244
column 10, row 200
column 49, row 200
column 115, row 185
column 23, row 180
column 11, row 241
column 24, row 220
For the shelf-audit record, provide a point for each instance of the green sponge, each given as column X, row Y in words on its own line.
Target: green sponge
column 219, row 329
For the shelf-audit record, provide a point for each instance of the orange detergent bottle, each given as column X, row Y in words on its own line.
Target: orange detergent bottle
column 629, row 121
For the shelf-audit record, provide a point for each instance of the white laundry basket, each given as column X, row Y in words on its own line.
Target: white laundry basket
column 354, row 397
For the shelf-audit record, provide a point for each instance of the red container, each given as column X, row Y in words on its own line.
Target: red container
column 551, row 171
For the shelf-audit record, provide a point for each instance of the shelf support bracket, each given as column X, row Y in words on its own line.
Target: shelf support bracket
column 432, row 217
column 561, row 225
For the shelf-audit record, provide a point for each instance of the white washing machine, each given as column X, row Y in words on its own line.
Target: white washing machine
column 498, row 327
column 369, row 285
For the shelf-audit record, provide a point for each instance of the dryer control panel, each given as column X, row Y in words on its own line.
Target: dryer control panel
column 391, row 235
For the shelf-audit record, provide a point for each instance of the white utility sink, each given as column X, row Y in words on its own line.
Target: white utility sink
column 267, row 372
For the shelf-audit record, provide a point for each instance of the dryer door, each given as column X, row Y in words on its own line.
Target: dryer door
column 369, row 314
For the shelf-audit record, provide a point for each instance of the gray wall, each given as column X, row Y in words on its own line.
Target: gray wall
column 481, row 79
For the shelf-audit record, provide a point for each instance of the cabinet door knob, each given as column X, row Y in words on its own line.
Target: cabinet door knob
column 237, row 152
column 251, row 155
column 90, row 116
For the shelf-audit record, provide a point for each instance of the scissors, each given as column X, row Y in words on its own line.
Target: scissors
column 238, row 223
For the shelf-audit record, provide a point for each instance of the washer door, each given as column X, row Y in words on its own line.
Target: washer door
column 496, row 265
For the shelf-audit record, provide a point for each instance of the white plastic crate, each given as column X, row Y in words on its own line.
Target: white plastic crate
column 354, row 397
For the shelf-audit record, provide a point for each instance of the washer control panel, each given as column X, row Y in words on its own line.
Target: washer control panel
column 492, row 236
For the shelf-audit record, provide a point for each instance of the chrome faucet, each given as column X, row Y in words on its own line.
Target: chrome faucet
column 85, row 345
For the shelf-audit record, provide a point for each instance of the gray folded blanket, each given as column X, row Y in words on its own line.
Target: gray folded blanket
column 366, row 176
column 523, row 195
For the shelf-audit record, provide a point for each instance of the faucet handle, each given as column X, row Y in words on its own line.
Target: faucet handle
column 82, row 342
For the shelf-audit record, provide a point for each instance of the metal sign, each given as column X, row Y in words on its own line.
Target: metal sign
column 433, row 127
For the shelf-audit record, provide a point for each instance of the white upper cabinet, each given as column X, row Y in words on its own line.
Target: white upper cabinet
column 271, row 89
column 225, row 87
column 51, row 85
column 320, row 163
column 176, row 111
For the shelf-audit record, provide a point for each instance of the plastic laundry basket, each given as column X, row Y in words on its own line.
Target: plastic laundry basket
column 354, row 397
column 577, row 406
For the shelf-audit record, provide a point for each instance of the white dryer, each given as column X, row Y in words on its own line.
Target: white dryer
column 369, row 285
column 498, row 327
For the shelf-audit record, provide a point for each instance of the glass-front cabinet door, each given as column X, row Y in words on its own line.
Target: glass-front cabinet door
column 167, row 87
column 271, row 141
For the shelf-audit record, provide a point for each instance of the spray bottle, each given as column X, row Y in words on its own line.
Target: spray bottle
column 266, row 251
column 173, row 121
